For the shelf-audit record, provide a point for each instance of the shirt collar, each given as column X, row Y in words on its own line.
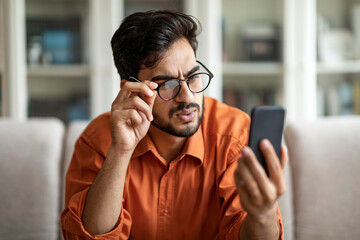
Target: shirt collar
column 194, row 146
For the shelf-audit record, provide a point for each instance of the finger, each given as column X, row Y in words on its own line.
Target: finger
column 284, row 156
column 273, row 164
column 245, row 180
column 131, row 89
column 129, row 116
column 245, row 198
column 150, row 100
column 138, row 104
column 271, row 159
column 135, row 117
column 259, row 174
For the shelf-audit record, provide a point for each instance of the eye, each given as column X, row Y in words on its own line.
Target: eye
column 170, row 84
column 194, row 77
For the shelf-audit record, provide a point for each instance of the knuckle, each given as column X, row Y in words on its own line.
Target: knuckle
column 135, row 101
column 256, row 194
column 114, row 106
column 133, row 112
column 125, row 87
column 268, row 198
column 253, row 187
column 257, row 200
column 271, row 195
column 282, row 189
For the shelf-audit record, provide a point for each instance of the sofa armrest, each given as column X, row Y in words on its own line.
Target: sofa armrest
column 30, row 154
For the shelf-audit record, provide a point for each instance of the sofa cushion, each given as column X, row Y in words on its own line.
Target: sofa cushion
column 286, row 206
column 30, row 154
column 325, row 164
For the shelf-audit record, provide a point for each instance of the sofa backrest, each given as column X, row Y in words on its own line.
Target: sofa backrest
column 74, row 130
column 286, row 205
column 325, row 165
column 30, row 156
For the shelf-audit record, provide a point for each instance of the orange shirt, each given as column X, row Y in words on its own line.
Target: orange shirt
column 193, row 197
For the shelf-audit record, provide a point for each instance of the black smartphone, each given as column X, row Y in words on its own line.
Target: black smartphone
column 266, row 122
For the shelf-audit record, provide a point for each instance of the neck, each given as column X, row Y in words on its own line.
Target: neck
column 168, row 146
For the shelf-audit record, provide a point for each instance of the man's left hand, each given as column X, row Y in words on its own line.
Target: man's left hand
column 258, row 192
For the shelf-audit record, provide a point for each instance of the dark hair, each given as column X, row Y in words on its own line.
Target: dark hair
column 144, row 37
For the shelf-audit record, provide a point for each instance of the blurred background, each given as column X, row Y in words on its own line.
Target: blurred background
column 56, row 60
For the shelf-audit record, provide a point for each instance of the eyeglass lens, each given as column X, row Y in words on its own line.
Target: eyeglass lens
column 196, row 83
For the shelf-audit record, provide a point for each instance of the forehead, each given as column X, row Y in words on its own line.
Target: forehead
column 177, row 61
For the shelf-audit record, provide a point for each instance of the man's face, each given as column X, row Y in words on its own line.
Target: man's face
column 182, row 115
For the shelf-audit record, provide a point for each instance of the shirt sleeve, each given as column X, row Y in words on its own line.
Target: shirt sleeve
column 85, row 165
column 232, row 214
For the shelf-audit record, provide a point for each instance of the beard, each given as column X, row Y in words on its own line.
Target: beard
column 170, row 129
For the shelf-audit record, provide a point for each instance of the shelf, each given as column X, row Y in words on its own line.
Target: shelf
column 252, row 68
column 339, row 68
column 64, row 71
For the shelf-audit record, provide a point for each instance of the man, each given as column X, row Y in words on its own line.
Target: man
column 161, row 165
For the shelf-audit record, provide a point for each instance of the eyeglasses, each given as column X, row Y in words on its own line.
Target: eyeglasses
column 196, row 83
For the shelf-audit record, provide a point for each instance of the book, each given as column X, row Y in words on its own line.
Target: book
column 356, row 28
column 356, row 92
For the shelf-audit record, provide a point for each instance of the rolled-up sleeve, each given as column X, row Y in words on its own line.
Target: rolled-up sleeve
column 85, row 165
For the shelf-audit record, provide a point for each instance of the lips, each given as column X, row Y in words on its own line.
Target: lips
column 186, row 115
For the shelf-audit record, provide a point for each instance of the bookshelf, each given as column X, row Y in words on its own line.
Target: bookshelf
column 60, row 71
column 345, row 67
column 132, row 6
column 251, row 68
column 338, row 69
column 249, row 78
column 57, row 55
column 307, row 71
column 57, row 65
column 2, row 67
column 70, row 73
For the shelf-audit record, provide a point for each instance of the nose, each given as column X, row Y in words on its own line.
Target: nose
column 185, row 95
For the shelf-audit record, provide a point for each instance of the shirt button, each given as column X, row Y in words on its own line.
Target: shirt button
column 164, row 212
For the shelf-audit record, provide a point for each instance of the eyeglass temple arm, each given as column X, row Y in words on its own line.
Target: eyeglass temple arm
column 212, row 75
column 133, row 79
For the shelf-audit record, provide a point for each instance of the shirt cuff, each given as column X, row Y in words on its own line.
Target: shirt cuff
column 73, row 228
column 235, row 228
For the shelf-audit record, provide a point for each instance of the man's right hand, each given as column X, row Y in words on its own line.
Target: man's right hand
column 130, row 120
column 131, row 114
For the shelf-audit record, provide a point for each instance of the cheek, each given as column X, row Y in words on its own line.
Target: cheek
column 160, row 107
column 199, row 100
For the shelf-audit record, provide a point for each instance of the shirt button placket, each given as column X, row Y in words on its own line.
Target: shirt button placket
column 163, row 211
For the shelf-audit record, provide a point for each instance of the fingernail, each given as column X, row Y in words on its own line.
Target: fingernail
column 150, row 93
column 153, row 85
column 266, row 143
column 151, row 117
column 245, row 151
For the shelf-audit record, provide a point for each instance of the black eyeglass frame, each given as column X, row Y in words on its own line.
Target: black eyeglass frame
column 133, row 79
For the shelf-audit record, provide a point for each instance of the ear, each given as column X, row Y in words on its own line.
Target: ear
column 122, row 82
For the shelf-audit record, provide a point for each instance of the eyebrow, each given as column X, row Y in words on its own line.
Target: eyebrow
column 168, row 77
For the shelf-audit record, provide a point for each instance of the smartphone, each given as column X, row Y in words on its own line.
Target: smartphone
column 266, row 122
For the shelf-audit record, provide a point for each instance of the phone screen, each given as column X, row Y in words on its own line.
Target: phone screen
column 266, row 122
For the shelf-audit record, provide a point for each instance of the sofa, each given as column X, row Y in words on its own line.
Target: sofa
column 322, row 199
column 34, row 156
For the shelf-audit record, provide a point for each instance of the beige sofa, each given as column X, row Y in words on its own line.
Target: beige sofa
column 322, row 201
